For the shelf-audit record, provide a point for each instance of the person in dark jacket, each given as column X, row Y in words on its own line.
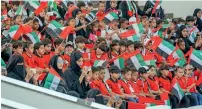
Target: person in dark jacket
column 75, row 77
column 197, row 14
column 148, row 10
column 123, row 6
column 16, row 68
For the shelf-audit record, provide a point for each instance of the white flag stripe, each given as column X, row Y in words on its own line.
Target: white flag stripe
column 196, row 59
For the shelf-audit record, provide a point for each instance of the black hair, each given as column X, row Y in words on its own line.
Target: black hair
column 134, row 70
column 103, row 47
column 80, row 4
column 138, row 45
column 80, row 39
column 27, row 19
column 158, row 22
column 179, row 41
column 70, row 20
column 179, row 31
column 46, row 41
column 100, row 68
column 26, row 45
column 122, row 20
column 89, row 4
column 164, row 67
column 17, row 3
column 37, row 46
column 151, row 66
column 16, row 16
column 122, row 43
column 125, row 70
column 95, row 69
column 189, row 18
column 35, row 20
column 17, row 44
column 129, row 42
column 114, row 43
column 177, row 68
column 58, row 41
column 70, row 3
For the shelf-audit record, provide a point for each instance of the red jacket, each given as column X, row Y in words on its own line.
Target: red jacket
column 94, row 57
column 114, row 86
column 29, row 60
column 125, row 86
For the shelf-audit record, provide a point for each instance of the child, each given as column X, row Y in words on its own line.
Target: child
column 127, row 89
column 113, row 5
column 59, row 46
column 142, row 83
column 187, row 100
column 130, row 46
column 92, row 36
column 72, row 36
column 122, row 45
column 69, row 5
column 4, row 8
column 14, row 8
column 95, row 77
column 113, row 81
column 82, row 6
column 35, row 28
column 29, row 21
column 89, row 7
column 80, row 43
column 114, row 30
column 101, row 10
column 181, row 45
column 123, row 25
column 102, row 29
column 115, row 47
column 191, row 83
column 28, row 55
column 190, row 25
column 17, row 47
column 17, row 20
column 47, row 47
column 69, row 48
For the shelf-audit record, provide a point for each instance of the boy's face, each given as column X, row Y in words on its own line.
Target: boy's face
column 89, row 77
column 127, row 75
column 71, row 5
column 102, row 7
column 113, row 4
column 72, row 22
column 15, row 7
column 152, row 72
column 131, row 48
column 122, row 48
column 102, row 24
column 180, row 73
column 144, row 75
column 102, row 74
column 30, row 49
column 135, row 76
column 69, row 49
column 188, row 70
column 116, row 47
column 19, row 50
column 41, row 50
column 115, row 75
column 89, row 8
column 18, row 20
column 182, row 46
column 48, row 48
column 30, row 23
column 95, row 75
column 165, row 72
column 36, row 25
column 190, row 23
column 81, row 45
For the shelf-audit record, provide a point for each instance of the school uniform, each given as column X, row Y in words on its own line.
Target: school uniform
column 114, row 86
column 47, row 57
column 154, row 83
column 29, row 60
column 94, row 56
column 113, row 55
column 135, row 87
column 101, row 85
column 143, row 85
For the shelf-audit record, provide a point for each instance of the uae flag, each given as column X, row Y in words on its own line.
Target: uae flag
column 192, row 36
column 26, row 28
column 53, row 81
column 135, row 61
column 156, row 5
column 195, row 58
column 177, row 91
column 19, row 10
column 162, row 47
column 52, row 26
column 119, row 62
column 102, row 63
column 33, row 37
column 138, row 27
column 32, row 5
column 178, row 54
column 150, row 104
column 63, row 32
column 15, row 32
column 130, row 35
column 110, row 16
column 90, row 17
column 149, row 60
column 63, row 3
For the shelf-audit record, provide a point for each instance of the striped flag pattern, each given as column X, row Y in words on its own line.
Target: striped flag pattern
column 14, row 32
column 119, row 62
column 102, row 63
column 195, row 58
column 19, row 10
column 138, row 27
column 178, row 54
column 90, row 17
column 149, row 60
column 192, row 36
column 110, row 16
column 177, row 91
column 52, row 27
column 136, row 61
column 63, row 3
column 130, row 35
column 63, row 32
column 32, row 5
column 33, row 37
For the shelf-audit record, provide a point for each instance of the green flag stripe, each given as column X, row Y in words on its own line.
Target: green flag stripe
column 198, row 54
column 141, row 60
column 49, row 80
column 13, row 28
column 3, row 63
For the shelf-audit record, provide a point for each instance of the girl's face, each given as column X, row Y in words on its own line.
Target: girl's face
column 180, row 73
column 69, row 49
column 116, row 47
column 102, row 7
column 102, row 74
column 153, row 23
column 30, row 49
column 95, row 27
column 18, row 20
column 199, row 14
column 60, row 63
column 36, row 25
column 122, row 49
column 41, row 50
column 184, row 32
column 102, row 24
column 30, row 23
column 113, row 4
column 80, row 62
column 48, row 48
column 3, row 5
column 182, row 45
column 125, row 24
column 42, row 13
column 152, row 72
column 131, row 48
column 172, row 26
column 115, row 24
column 72, row 22
column 134, row 76
column 82, row 20
column 99, row 51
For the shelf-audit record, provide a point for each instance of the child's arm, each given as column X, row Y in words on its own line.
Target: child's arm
column 80, row 27
column 193, row 85
column 163, row 90
column 112, row 33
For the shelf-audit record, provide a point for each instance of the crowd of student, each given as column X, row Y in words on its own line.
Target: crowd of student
column 74, row 58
